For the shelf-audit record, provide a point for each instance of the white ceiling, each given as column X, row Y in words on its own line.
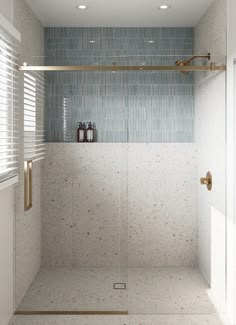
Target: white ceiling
column 119, row 13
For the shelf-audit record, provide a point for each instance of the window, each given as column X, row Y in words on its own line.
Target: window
column 8, row 107
column 33, row 116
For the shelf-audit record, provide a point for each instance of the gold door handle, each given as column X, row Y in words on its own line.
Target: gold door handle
column 207, row 181
column 28, row 186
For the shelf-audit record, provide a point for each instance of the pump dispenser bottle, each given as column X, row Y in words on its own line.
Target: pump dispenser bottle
column 81, row 133
column 90, row 132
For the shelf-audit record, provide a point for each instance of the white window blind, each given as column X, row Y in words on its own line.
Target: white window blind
column 8, row 106
column 34, row 148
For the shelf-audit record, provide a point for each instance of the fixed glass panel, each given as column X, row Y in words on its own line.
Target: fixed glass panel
column 176, row 242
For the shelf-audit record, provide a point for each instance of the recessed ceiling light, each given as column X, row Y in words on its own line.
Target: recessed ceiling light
column 164, row 7
column 151, row 41
column 81, row 7
column 92, row 42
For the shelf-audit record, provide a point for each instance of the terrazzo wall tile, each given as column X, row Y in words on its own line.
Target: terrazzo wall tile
column 110, row 199
column 162, row 204
column 57, row 199
column 98, row 221
column 85, row 217
column 125, row 106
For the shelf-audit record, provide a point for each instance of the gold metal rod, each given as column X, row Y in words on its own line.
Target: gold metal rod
column 30, row 183
column 25, row 186
column 67, row 312
column 28, row 186
column 124, row 68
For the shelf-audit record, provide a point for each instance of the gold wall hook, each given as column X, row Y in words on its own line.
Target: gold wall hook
column 207, row 181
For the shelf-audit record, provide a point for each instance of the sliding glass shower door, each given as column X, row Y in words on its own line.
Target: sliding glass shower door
column 84, row 206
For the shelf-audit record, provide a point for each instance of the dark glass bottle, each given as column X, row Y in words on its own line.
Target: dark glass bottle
column 90, row 133
column 80, row 133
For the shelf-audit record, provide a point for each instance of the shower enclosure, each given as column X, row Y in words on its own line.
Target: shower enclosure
column 120, row 221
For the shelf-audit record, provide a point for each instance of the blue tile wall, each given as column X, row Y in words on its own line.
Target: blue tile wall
column 139, row 106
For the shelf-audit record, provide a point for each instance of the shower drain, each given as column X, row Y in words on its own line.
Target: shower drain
column 119, row 286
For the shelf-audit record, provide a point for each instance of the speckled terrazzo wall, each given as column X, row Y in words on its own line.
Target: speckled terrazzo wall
column 113, row 204
column 126, row 106
column 27, row 224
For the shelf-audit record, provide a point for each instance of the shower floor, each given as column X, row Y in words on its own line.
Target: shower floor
column 165, row 290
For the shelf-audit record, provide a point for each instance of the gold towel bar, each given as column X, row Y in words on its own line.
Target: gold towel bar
column 28, row 186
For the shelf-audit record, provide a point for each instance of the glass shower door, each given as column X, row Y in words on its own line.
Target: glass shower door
column 84, row 199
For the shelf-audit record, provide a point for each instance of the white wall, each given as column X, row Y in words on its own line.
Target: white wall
column 231, row 154
column 6, row 254
column 210, row 36
column 7, row 9
column 7, row 209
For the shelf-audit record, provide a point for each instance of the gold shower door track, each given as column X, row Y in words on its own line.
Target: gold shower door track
column 211, row 67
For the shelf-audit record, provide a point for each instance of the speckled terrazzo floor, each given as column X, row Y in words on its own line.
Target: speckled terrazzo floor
column 165, row 290
column 120, row 320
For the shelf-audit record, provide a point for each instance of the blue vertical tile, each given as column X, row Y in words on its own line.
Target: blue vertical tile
column 126, row 106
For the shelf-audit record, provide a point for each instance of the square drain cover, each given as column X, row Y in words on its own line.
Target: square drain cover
column 119, row 286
